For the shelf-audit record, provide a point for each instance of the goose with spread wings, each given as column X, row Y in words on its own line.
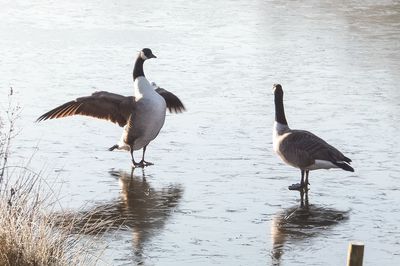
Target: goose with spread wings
column 302, row 149
column 141, row 115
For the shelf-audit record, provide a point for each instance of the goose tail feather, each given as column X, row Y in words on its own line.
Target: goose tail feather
column 346, row 159
column 344, row 166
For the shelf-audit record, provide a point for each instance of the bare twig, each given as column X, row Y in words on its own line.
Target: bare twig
column 8, row 132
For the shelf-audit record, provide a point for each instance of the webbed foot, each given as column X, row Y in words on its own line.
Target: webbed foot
column 113, row 147
column 145, row 163
column 141, row 164
column 296, row 186
column 299, row 186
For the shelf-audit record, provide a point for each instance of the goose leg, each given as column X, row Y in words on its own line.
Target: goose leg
column 302, row 179
column 134, row 164
column 143, row 162
column 307, row 183
column 298, row 186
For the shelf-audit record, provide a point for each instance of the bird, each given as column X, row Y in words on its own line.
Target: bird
column 142, row 115
column 302, row 149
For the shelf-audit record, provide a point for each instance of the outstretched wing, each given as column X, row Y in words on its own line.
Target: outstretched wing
column 173, row 102
column 103, row 105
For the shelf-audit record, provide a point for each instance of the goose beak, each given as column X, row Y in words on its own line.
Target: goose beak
column 153, row 56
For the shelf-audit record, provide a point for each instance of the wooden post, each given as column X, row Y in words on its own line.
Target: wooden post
column 355, row 254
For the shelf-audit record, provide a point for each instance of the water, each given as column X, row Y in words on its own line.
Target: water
column 217, row 194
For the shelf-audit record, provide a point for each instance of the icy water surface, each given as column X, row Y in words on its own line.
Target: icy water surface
column 217, row 194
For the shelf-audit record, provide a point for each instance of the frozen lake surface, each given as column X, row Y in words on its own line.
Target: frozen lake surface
column 217, row 194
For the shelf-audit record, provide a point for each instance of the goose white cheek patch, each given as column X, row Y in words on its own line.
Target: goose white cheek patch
column 143, row 56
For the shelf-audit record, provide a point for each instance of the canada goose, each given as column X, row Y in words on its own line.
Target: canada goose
column 302, row 149
column 142, row 115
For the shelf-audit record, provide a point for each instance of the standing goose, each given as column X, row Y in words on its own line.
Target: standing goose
column 302, row 149
column 142, row 115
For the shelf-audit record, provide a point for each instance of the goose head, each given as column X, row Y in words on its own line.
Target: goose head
column 277, row 89
column 146, row 53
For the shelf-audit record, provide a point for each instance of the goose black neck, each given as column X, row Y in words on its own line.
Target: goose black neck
column 279, row 110
column 138, row 69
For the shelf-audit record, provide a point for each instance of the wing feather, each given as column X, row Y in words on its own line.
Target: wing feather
column 174, row 104
column 303, row 148
column 103, row 105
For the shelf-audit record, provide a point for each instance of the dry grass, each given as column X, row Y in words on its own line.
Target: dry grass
column 29, row 234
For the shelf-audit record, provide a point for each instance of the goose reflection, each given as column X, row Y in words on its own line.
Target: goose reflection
column 299, row 223
column 140, row 208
